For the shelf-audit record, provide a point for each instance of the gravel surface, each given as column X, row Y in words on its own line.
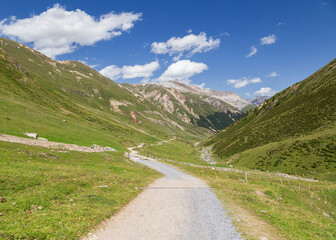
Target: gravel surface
column 56, row 145
column 177, row 206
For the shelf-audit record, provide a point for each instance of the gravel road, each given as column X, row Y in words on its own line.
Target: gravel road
column 177, row 206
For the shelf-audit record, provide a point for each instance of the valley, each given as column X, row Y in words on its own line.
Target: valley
column 271, row 165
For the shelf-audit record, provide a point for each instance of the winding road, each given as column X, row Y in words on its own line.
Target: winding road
column 177, row 206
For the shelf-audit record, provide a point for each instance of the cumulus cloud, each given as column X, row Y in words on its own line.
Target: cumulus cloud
column 253, row 50
column 58, row 31
column 188, row 45
column 112, row 72
column 266, row 91
column 271, row 39
column 127, row 72
column 182, row 70
column 273, row 74
column 242, row 82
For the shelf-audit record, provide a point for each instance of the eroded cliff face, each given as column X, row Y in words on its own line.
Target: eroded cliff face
column 229, row 97
column 190, row 106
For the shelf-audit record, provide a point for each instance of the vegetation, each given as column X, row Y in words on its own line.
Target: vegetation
column 248, row 108
column 72, row 103
column 267, row 204
column 312, row 156
column 298, row 110
column 293, row 132
column 217, row 120
column 55, row 194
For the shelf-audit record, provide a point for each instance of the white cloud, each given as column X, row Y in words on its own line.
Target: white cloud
column 189, row 45
column 126, row 72
column 58, row 31
column 144, row 71
column 265, row 91
column 273, row 74
column 112, row 72
column 279, row 23
column 242, row 82
column 268, row 40
column 253, row 50
column 182, row 70
column 189, row 31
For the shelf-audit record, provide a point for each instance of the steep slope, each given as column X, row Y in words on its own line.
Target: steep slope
column 189, row 107
column 70, row 102
column 304, row 109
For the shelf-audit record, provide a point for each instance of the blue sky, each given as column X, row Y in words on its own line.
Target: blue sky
column 195, row 41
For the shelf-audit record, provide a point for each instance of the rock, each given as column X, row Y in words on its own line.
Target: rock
column 103, row 186
column 109, row 149
column 32, row 135
column 3, row 199
column 263, row 211
column 95, row 146
column 43, row 139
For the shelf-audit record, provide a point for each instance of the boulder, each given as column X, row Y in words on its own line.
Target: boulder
column 32, row 135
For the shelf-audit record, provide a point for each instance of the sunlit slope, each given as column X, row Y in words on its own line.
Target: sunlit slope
column 70, row 102
column 305, row 107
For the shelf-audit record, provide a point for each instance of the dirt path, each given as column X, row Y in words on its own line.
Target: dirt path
column 177, row 206
column 49, row 144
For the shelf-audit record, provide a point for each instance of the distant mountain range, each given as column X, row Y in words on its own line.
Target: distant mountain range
column 257, row 100
column 229, row 97
column 192, row 104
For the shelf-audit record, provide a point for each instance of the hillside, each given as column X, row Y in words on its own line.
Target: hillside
column 300, row 112
column 67, row 101
column 189, row 106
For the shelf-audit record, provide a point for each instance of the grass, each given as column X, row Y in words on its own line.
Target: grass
column 302, row 108
column 263, row 206
column 312, row 156
column 62, row 195
column 38, row 93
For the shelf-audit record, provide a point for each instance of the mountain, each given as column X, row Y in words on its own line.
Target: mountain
column 257, row 100
column 293, row 131
column 67, row 101
column 188, row 106
column 229, row 97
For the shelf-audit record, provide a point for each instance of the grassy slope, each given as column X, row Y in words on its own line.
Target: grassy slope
column 68, row 102
column 294, row 132
column 264, row 206
column 66, row 186
column 297, row 110
column 37, row 94
column 312, row 156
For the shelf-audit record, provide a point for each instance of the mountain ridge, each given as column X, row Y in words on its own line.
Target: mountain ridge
column 228, row 97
